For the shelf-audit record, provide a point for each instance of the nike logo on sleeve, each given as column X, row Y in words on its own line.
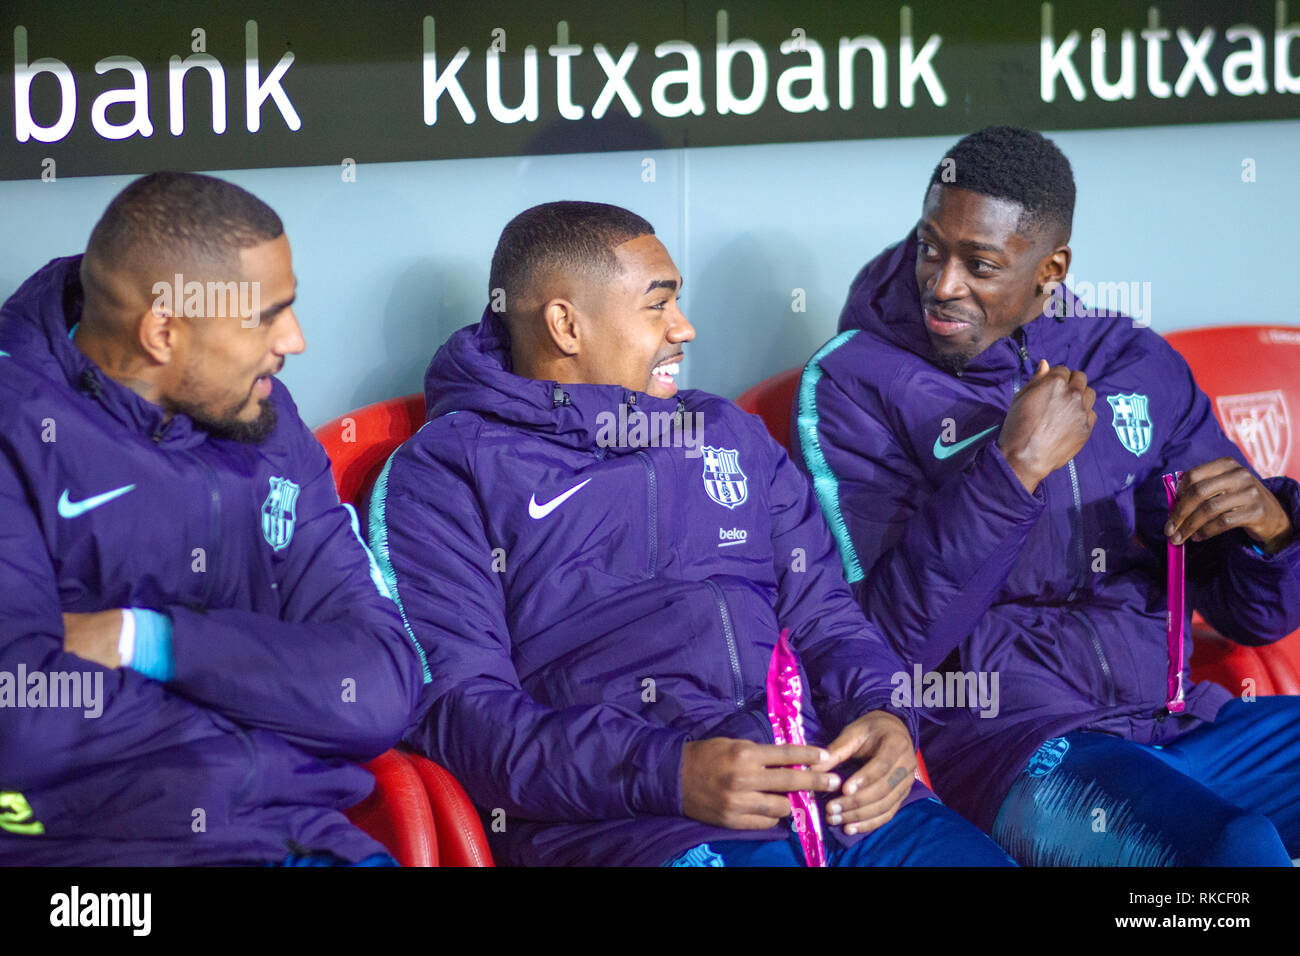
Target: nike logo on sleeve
column 942, row 451
column 541, row 511
column 72, row 509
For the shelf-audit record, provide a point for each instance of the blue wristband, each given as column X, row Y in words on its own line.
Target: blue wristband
column 1258, row 550
column 153, row 644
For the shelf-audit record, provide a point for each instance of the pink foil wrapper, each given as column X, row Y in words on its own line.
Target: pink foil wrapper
column 1176, row 616
column 785, row 711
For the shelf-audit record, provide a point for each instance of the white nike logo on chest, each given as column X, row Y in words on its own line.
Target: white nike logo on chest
column 537, row 511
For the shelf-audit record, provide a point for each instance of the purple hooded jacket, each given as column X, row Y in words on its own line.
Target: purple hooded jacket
column 290, row 660
column 1060, row 593
column 588, row 606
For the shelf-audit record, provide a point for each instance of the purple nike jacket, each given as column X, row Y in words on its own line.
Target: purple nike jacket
column 1060, row 593
column 290, row 659
column 589, row 604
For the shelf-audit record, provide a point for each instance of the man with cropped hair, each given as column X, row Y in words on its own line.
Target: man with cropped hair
column 599, row 609
column 172, row 536
column 994, row 516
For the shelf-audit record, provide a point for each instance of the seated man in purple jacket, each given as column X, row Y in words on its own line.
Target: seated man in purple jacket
column 995, row 518
column 598, row 586
column 194, row 641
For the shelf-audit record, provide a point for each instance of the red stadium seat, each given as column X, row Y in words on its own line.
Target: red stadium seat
column 442, row 823
column 461, row 840
column 359, row 442
column 1251, row 374
column 772, row 400
column 397, row 812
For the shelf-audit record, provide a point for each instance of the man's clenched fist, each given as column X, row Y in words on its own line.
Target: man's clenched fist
column 1048, row 422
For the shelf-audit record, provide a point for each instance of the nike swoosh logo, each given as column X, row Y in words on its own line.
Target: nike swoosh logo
column 72, row 509
column 541, row 511
column 942, row 451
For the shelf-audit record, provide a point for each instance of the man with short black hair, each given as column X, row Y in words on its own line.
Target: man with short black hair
column 176, row 561
column 991, row 525
column 598, row 590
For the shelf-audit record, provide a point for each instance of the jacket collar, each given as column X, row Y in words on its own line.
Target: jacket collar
column 36, row 328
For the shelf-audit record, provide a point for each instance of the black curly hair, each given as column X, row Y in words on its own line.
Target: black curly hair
column 1020, row 165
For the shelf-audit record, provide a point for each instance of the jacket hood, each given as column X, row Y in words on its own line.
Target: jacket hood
column 471, row 372
column 884, row 300
column 36, row 326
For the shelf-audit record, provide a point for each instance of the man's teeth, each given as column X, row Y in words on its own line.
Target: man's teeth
column 669, row 368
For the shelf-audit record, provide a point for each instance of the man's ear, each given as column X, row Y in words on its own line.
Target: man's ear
column 1053, row 270
column 561, row 321
column 156, row 331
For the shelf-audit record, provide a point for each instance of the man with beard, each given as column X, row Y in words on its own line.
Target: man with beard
column 174, row 550
column 994, row 517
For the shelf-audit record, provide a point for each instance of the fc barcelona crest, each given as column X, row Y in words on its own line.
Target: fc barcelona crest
column 723, row 479
column 278, row 513
column 1128, row 413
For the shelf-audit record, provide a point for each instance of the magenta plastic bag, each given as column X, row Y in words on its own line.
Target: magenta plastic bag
column 1176, row 616
column 785, row 711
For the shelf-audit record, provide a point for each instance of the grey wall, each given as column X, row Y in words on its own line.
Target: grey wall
column 391, row 264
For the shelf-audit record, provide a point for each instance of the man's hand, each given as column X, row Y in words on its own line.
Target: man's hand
column 1221, row 495
column 873, row 794
column 743, row 785
column 94, row 636
column 1048, row 422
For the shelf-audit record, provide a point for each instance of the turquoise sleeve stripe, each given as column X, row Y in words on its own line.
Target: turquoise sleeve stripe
column 825, row 484
column 379, row 553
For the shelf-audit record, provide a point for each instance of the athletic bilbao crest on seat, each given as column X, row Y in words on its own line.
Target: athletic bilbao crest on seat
column 723, row 479
column 278, row 513
column 1128, row 413
column 1261, row 426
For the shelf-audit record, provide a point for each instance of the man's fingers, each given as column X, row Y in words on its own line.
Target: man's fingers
column 1043, row 369
column 873, row 823
column 850, row 741
column 872, row 800
column 1207, row 470
column 1224, row 505
column 789, row 755
column 1193, row 493
column 789, row 781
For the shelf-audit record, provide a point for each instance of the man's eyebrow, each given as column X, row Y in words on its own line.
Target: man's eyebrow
column 968, row 245
column 662, row 284
column 279, row 307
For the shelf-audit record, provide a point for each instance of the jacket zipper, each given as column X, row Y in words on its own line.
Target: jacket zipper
column 653, row 506
column 1076, row 519
column 214, row 528
column 1080, row 574
column 1101, row 656
column 737, row 686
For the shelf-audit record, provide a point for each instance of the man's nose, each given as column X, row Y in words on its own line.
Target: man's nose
column 289, row 339
column 946, row 283
column 681, row 331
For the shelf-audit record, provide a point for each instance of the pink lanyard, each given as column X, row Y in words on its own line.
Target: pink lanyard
column 1176, row 616
column 785, row 711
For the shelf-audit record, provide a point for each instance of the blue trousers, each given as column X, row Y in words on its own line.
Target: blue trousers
column 925, row 833
column 1224, row 794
